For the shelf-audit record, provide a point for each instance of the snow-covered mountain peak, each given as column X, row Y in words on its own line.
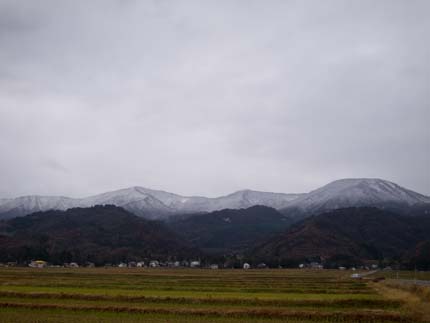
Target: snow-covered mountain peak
column 357, row 192
column 371, row 188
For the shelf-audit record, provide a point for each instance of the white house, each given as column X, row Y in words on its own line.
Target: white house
column 246, row 266
column 195, row 264
column 154, row 263
column 38, row 264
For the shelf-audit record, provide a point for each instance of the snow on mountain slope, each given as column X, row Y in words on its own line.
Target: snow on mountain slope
column 169, row 203
column 139, row 200
column 30, row 204
column 146, row 202
column 248, row 198
column 159, row 204
column 356, row 192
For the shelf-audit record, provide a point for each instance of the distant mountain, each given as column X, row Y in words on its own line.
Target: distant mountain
column 24, row 205
column 155, row 204
column 357, row 192
column 347, row 236
column 230, row 230
column 146, row 202
column 247, row 198
column 100, row 234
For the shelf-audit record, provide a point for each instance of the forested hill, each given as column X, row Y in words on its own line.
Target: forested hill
column 230, row 230
column 350, row 236
column 100, row 234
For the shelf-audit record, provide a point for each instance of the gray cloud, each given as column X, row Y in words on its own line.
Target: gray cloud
column 210, row 97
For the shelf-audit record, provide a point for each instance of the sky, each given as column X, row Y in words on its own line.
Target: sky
column 210, row 97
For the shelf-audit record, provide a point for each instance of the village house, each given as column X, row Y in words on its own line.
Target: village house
column 154, row 263
column 195, row 264
column 38, row 264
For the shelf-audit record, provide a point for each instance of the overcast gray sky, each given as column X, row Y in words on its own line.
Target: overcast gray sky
column 208, row 97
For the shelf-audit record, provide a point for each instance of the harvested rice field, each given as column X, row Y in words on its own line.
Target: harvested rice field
column 196, row 295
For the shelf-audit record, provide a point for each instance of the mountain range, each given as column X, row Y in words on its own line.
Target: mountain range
column 155, row 204
column 148, row 203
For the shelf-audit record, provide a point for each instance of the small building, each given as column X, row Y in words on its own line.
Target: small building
column 213, row 266
column 38, row 264
column 140, row 264
column 132, row 264
column 154, row 263
column 122, row 265
column 194, row 264
column 261, row 265
column 246, row 266
column 177, row 264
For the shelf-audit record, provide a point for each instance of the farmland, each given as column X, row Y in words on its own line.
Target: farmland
column 194, row 295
